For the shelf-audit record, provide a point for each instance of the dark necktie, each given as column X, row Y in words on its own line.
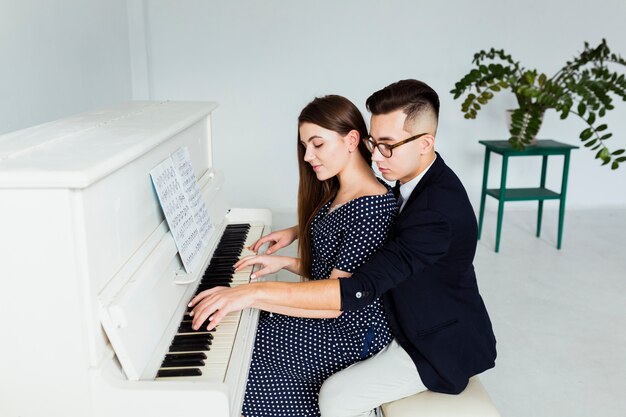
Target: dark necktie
column 396, row 189
column 396, row 193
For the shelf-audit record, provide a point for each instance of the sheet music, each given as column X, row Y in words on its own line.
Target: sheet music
column 185, row 212
column 184, row 169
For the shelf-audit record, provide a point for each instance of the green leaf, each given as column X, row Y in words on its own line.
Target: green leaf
column 586, row 134
column 618, row 152
column 581, row 108
column 607, row 136
column 590, row 143
column 604, row 154
column 601, row 128
column 615, row 165
column 591, row 118
column 621, row 159
column 542, row 79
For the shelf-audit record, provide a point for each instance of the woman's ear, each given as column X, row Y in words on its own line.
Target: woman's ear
column 353, row 137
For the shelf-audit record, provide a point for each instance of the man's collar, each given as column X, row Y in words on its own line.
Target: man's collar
column 407, row 188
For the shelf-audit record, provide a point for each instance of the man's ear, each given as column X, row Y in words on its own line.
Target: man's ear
column 427, row 143
column 353, row 137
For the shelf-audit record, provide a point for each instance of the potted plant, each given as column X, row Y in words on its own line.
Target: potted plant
column 585, row 87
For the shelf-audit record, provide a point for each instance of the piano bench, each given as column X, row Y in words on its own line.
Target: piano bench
column 472, row 402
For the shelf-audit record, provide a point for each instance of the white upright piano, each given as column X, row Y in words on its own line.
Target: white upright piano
column 92, row 290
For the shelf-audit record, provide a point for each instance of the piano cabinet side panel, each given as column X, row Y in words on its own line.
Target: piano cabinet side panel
column 43, row 356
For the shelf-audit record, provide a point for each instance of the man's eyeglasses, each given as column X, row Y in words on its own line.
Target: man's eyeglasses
column 387, row 150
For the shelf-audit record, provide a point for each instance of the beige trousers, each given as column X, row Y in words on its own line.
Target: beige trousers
column 360, row 389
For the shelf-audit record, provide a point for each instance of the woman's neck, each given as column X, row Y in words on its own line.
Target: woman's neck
column 355, row 180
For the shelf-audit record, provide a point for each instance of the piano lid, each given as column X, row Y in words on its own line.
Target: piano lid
column 77, row 151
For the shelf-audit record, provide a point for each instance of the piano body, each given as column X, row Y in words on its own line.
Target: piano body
column 93, row 291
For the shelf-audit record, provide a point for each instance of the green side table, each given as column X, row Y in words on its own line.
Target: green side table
column 543, row 148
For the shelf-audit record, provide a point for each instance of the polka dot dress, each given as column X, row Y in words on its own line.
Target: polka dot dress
column 293, row 356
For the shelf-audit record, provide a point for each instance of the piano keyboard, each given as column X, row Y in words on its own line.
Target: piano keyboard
column 201, row 354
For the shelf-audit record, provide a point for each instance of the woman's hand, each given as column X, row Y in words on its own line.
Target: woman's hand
column 269, row 264
column 214, row 304
column 279, row 239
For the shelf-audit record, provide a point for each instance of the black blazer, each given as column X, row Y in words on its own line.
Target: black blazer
column 425, row 276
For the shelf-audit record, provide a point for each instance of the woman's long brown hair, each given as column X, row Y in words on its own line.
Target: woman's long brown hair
column 334, row 113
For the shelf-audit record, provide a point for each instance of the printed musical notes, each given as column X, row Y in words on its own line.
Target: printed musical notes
column 183, row 206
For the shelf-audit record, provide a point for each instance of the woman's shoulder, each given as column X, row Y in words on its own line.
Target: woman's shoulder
column 375, row 204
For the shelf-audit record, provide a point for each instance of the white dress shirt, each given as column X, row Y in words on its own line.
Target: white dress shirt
column 407, row 188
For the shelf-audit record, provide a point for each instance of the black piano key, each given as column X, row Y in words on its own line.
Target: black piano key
column 220, row 283
column 167, row 373
column 188, row 319
column 182, row 362
column 185, row 327
column 225, row 265
column 189, row 355
column 231, row 243
column 222, row 270
column 238, row 243
column 227, row 252
column 229, row 270
column 181, row 338
column 210, row 279
column 201, row 347
column 223, row 282
column 238, row 225
column 223, row 260
column 199, row 341
column 215, row 280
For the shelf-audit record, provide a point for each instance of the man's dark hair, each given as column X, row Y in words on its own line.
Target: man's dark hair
column 413, row 97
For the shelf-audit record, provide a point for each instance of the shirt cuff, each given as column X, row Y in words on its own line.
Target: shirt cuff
column 353, row 294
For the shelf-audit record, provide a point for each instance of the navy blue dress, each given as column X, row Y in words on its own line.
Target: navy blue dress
column 293, row 356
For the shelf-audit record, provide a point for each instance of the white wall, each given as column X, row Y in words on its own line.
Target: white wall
column 264, row 60
column 60, row 57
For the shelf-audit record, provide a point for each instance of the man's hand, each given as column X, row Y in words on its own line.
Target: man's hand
column 279, row 240
column 217, row 302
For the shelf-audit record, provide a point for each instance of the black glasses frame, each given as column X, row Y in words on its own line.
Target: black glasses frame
column 384, row 148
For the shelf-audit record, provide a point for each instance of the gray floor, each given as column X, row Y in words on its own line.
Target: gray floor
column 559, row 315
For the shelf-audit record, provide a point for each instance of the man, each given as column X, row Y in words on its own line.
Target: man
column 424, row 272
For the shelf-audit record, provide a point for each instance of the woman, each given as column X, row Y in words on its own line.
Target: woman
column 344, row 214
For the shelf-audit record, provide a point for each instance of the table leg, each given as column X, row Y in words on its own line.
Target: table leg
column 505, row 161
column 544, row 166
column 562, row 199
column 483, row 193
